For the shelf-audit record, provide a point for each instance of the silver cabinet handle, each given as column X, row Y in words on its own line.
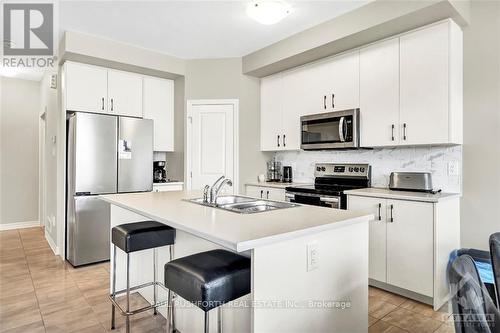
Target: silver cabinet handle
column 404, row 131
column 333, row 99
column 392, row 132
column 324, row 102
column 379, row 212
column 111, row 104
column 102, row 106
column 278, row 140
column 392, row 216
column 267, row 195
column 284, row 140
column 261, row 193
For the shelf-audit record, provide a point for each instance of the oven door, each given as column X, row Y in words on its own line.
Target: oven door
column 330, row 130
column 313, row 199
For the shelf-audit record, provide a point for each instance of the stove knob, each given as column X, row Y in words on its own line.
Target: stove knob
column 362, row 169
column 356, row 169
column 323, row 169
column 318, row 168
column 350, row 169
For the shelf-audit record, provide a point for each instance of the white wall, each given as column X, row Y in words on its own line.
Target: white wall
column 20, row 101
column 481, row 165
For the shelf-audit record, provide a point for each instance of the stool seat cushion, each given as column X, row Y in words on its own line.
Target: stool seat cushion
column 137, row 236
column 209, row 279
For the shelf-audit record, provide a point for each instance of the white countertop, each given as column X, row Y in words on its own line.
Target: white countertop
column 402, row 195
column 168, row 183
column 276, row 184
column 238, row 232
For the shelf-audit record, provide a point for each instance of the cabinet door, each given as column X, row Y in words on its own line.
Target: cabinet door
column 379, row 94
column 86, row 87
column 277, row 194
column 125, row 93
column 424, row 85
column 410, row 245
column 255, row 191
column 271, row 106
column 339, row 81
column 377, row 264
column 158, row 105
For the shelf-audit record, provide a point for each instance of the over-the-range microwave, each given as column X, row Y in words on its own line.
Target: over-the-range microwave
column 332, row 130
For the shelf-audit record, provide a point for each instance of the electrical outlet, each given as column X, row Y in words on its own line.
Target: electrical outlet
column 312, row 256
column 453, row 168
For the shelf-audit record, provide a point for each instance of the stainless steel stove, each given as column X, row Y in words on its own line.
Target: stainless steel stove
column 331, row 180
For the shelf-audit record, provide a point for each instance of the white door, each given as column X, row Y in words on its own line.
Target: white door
column 158, row 104
column 424, row 85
column 339, row 79
column 86, row 87
column 377, row 264
column 379, row 94
column 255, row 192
column 410, row 245
column 271, row 106
column 211, row 144
column 125, row 93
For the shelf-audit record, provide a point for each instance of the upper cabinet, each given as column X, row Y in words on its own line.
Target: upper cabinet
column 124, row 93
column 86, row 87
column 411, row 88
column 101, row 90
column 408, row 89
column 158, row 105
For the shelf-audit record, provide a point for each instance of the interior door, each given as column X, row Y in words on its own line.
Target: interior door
column 377, row 264
column 211, row 144
column 125, row 93
column 86, row 88
column 379, row 94
column 135, row 155
column 424, row 85
column 410, row 251
column 92, row 153
column 271, row 109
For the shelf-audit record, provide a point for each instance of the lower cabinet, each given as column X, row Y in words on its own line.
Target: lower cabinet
column 401, row 242
column 164, row 187
column 262, row 192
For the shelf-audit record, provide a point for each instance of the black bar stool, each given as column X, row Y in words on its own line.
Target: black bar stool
column 209, row 279
column 132, row 237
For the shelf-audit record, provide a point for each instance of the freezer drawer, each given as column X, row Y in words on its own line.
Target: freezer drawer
column 135, row 155
column 87, row 232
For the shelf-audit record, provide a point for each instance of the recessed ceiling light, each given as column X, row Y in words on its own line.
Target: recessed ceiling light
column 268, row 12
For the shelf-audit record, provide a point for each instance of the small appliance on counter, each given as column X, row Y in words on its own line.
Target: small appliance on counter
column 159, row 172
column 287, row 174
column 411, row 181
column 273, row 171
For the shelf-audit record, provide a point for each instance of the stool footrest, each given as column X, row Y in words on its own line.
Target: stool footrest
column 112, row 298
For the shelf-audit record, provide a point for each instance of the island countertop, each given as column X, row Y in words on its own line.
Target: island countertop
column 238, row 232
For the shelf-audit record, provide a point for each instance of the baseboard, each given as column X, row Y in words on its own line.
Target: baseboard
column 19, row 225
column 52, row 245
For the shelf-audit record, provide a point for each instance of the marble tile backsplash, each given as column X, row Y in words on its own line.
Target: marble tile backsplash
column 383, row 162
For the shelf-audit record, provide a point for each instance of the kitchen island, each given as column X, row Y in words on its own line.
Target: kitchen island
column 309, row 264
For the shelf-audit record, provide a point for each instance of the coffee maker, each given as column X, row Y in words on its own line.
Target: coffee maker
column 159, row 172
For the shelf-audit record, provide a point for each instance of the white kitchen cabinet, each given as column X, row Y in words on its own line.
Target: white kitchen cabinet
column 271, row 109
column 86, row 87
column 410, row 245
column 167, row 187
column 379, row 94
column 431, row 85
column 158, row 105
column 377, row 264
column 338, row 82
column 263, row 192
column 124, row 93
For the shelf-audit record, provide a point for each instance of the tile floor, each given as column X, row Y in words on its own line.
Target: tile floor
column 41, row 293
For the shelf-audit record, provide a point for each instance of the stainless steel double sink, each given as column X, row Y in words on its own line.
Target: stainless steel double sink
column 243, row 205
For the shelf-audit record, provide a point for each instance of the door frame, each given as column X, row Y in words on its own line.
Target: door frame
column 236, row 132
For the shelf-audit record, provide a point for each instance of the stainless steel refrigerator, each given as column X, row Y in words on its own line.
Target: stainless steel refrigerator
column 105, row 154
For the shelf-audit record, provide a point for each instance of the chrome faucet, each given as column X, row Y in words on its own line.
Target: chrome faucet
column 206, row 189
column 214, row 190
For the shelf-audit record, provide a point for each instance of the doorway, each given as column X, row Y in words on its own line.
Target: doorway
column 212, row 143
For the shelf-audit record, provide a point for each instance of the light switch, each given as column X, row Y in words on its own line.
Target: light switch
column 312, row 256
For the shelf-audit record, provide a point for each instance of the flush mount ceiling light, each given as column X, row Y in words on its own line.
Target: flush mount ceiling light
column 268, row 12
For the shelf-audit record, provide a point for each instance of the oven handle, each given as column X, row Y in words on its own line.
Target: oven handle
column 341, row 129
column 291, row 195
column 329, row 199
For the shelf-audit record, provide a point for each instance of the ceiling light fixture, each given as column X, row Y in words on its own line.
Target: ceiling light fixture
column 268, row 12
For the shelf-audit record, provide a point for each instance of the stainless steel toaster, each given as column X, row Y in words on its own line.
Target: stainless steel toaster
column 411, row 181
